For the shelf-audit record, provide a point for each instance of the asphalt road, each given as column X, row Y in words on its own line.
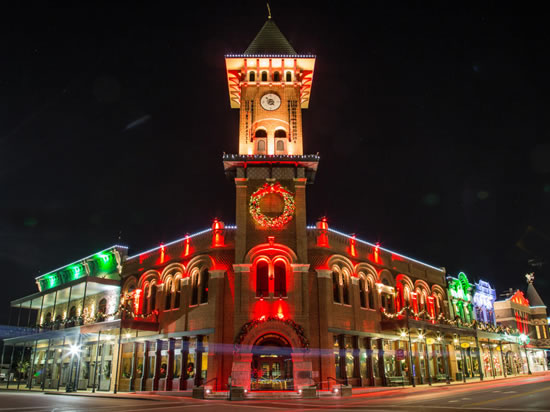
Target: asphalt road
column 517, row 394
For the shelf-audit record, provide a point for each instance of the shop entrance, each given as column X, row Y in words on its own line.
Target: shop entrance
column 272, row 364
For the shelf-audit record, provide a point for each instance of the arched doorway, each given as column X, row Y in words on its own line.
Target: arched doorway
column 272, row 364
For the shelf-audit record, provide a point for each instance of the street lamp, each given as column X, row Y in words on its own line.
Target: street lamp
column 74, row 350
column 523, row 338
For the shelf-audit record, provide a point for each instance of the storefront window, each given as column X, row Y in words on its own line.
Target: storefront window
column 177, row 365
column 151, row 366
column 139, row 367
column 163, row 366
column 204, row 369
column 362, row 359
column 107, row 369
column 191, row 365
column 374, row 354
column 389, row 359
column 126, row 367
column 337, row 357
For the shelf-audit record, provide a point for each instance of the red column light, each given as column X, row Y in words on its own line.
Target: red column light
column 322, row 237
column 217, row 233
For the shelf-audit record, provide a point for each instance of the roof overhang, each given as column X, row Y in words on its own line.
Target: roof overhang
column 74, row 290
column 309, row 162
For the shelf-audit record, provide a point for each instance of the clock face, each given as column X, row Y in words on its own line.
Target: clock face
column 270, row 101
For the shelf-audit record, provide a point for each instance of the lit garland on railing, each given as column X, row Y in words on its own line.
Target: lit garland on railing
column 424, row 315
column 272, row 222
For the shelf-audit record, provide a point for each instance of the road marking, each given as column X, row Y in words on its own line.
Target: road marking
column 454, row 400
column 496, row 391
column 510, row 392
column 466, row 399
column 509, row 397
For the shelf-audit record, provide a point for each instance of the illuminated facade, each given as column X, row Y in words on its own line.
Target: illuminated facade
column 529, row 316
column 267, row 304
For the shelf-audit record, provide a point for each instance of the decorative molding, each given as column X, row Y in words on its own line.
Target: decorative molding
column 354, row 280
column 242, row 267
column 217, row 273
column 300, row 267
column 324, row 273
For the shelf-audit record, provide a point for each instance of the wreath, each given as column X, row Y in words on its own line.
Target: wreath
column 272, row 222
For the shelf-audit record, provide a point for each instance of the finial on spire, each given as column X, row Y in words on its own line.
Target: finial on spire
column 530, row 277
column 268, row 11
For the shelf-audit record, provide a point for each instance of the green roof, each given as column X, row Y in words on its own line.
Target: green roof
column 270, row 41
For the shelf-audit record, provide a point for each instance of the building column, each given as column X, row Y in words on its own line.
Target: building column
column 146, row 365
column 381, row 369
column 219, row 361
column 356, row 360
column 198, row 364
column 184, row 363
column 342, row 358
column 158, row 357
column 370, row 374
column 300, row 199
column 170, row 366
column 502, row 360
column 324, row 306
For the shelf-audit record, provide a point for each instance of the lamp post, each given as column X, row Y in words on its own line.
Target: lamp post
column 74, row 350
column 523, row 339
column 410, row 351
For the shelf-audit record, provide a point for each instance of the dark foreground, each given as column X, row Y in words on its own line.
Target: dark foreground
column 517, row 394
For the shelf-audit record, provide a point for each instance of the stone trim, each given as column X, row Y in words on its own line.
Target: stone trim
column 242, row 267
column 324, row 273
column 300, row 267
column 354, row 280
column 217, row 273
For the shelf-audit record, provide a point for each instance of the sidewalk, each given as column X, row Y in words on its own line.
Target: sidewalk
column 365, row 391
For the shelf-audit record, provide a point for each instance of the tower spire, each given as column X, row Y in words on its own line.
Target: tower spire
column 268, row 11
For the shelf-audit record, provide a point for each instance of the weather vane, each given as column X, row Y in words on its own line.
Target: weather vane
column 268, row 11
column 530, row 277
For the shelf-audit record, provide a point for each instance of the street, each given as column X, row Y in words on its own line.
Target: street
column 529, row 393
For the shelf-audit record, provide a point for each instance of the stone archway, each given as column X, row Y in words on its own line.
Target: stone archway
column 285, row 335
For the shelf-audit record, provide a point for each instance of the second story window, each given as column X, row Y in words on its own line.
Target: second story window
column 363, row 292
column 102, row 306
column 194, row 288
column 345, row 289
column 177, row 300
column 336, row 286
column 168, row 303
column 204, row 285
column 280, row 278
column 262, row 279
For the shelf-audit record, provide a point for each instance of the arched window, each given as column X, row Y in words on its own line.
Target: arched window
column 153, row 297
column 280, row 133
column 177, row 300
column 276, row 77
column 280, row 146
column 345, row 276
column 260, row 133
column 280, row 278
column 102, row 306
column 336, row 286
column 204, row 285
column 252, row 76
column 262, row 279
column 363, row 291
column 437, row 305
column 288, row 76
column 406, row 296
column 168, row 296
column 370, row 294
column 264, row 76
column 145, row 299
column 194, row 289
column 72, row 312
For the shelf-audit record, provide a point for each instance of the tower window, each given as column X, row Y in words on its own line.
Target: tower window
column 261, row 146
column 280, row 146
column 264, row 76
column 288, row 76
column 252, row 76
column 276, row 77
column 280, row 133
column 260, row 133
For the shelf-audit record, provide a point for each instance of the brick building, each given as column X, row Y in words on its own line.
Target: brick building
column 270, row 303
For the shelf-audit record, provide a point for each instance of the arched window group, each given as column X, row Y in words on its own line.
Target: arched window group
column 340, row 285
column 199, row 286
column 264, row 76
column 271, row 278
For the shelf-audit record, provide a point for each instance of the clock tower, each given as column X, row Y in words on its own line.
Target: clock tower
column 270, row 84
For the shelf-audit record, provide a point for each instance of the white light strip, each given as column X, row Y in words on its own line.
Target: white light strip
column 80, row 260
column 379, row 247
column 179, row 240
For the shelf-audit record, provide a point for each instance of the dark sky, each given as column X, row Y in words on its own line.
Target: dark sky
column 432, row 125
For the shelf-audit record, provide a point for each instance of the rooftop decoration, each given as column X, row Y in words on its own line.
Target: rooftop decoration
column 460, row 288
column 106, row 263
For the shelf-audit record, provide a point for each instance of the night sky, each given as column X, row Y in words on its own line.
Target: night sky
column 431, row 123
